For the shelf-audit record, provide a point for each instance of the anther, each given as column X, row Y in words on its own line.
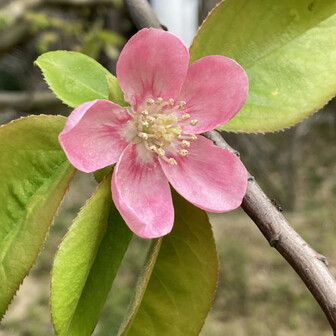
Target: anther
column 193, row 137
column 145, row 123
column 171, row 101
column 172, row 162
column 143, row 135
column 161, row 152
column 193, row 122
column 159, row 101
column 183, row 152
column 185, row 143
column 185, row 116
column 144, row 112
column 153, row 148
column 182, row 105
column 150, row 101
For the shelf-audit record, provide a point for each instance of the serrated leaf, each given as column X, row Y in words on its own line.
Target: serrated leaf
column 177, row 287
column 74, row 77
column 86, row 264
column 288, row 51
column 115, row 93
column 35, row 175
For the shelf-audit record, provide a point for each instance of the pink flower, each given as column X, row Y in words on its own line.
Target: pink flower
column 154, row 142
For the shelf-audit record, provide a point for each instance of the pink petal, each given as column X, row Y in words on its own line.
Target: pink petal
column 153, row 64
column 215, row 90
column 91, row 137
column 210, row 177
column 142, row 195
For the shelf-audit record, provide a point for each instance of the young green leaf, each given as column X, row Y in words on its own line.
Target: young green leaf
column 288, row 51
column 35, row 175
column 115, row 93
column 86, row 264
column 74, row 77
column 176, row 290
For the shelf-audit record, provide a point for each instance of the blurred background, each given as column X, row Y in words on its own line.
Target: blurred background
column 258, row 293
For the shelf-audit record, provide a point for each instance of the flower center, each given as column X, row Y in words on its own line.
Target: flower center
column 158, row 127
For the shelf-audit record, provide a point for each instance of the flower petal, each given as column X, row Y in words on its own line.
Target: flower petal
column 92, row 137
column 153, row 64
column 210, row 177
column 215, row 90
column 142, row 195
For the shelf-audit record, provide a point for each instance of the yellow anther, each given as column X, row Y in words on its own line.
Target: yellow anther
column 143, row 136
column 159, row 101
column 171, row 101
column 161, row 152
column 185, row 116
column 183, row 152
column 145, row 123
column 185, row 143
column 153, row 148
column 150, row 119
column 193, row 137
column 144, row 112
column 193, row 122
column 150, row 101
column 182, row 105
column 172, row 162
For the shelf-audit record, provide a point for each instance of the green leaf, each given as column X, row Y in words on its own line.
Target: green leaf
column 74, row 77
column 176, row 290
column 288, row 51
column 86, row 264
column 35, row 175
column 115, row 93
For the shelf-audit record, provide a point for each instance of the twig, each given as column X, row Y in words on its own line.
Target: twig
column 310, row 265
column 27, row 100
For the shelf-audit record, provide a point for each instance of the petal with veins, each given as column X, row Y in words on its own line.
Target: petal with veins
column 152, row 64
column 142, row 195
column 215, row 89
column 92, row 136
column 210, row 177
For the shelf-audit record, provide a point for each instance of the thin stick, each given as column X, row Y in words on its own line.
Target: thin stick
column 310, row 265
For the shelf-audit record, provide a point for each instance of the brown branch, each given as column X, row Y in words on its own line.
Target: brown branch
column 310, row 265
column 27, row 101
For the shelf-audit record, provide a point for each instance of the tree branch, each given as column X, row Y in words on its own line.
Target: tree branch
column 27, row 101
column 310, row 265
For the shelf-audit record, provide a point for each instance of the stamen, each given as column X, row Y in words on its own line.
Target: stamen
column 153, row 148
column 143, row 135
column 193, row 122
column 150, row 101
column 182, row 105
column 161, row 152
column 171, row 101
column 145, row 123
column 185, row 116
column 183, row 152
column 159, row 101
column 172, row 162
column 193, row 137
column 185, row 143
